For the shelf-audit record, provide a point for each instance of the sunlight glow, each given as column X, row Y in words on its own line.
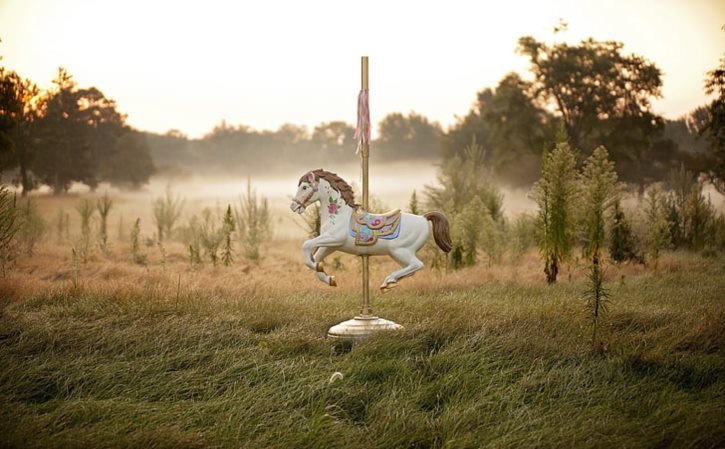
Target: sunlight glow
column 188, row 65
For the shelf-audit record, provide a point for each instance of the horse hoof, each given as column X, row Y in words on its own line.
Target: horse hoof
column 318, row 267
column 333, row 282
column 386, row 288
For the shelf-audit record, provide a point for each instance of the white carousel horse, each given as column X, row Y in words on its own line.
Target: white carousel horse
column 347, row 228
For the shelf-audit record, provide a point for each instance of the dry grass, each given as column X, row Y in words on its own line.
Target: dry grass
column 166, row 355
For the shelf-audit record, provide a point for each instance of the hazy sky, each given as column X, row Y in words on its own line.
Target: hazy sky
column 188, row 65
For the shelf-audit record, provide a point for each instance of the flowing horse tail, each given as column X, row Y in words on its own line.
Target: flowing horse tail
column 441, row 230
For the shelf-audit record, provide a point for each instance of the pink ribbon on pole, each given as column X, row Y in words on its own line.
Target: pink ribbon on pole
column 362, row 131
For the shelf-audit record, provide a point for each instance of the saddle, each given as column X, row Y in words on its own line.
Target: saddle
column 367, row 228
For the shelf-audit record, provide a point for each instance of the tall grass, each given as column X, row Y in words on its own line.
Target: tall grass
column 231, row 360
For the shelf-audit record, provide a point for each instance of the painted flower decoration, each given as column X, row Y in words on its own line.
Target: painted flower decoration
column 332, row 208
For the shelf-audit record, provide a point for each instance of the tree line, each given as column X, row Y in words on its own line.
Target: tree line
column 600, row 96
column 67, row 134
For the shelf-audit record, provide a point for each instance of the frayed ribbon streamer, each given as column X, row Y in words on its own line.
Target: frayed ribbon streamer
column 362, row 131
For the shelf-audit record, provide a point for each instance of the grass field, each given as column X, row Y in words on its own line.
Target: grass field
column 111, row 354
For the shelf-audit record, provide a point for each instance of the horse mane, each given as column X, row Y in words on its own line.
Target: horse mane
column 336, row 183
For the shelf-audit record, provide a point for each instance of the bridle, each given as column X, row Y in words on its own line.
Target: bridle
column 303, row 204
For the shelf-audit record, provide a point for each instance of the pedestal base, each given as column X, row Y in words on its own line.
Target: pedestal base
column 360, row 327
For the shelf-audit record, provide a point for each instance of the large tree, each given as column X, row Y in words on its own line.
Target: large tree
column 602, row 95
column 20, row 107
column 86, row 139
column 714, row 125
column 510, row 127
column 65, row 155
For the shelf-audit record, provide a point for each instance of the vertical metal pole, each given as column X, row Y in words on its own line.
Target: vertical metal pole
column 366, row 311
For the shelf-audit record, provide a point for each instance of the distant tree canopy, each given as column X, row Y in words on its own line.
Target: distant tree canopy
column 510, row 127
column 20, row 108
column 68, row 134
column 600, row 95
column 240, row 149
column 408, row 137
column 712, row 125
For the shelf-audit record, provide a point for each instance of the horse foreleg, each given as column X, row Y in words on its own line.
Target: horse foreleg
column 319, row 256
column 309, row 247
column 410, row 263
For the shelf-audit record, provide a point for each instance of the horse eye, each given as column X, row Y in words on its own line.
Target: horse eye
column 304, row 187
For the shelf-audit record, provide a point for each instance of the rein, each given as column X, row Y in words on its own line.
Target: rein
column 303, row 203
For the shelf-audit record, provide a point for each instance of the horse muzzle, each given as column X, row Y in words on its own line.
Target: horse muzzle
column 296, row 206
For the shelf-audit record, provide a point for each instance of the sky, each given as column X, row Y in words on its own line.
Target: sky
column 187, row 65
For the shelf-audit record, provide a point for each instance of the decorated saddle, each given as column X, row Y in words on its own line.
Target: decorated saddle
column 367, row 228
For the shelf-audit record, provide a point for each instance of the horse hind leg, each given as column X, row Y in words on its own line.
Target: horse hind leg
column 320, row 254
column 410, row 263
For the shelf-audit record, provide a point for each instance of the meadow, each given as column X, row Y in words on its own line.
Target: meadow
column 109, row 353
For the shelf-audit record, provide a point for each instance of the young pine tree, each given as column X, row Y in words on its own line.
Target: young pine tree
column 599, row 192
column 85, row 210
column 658, row 235
column 555, row 194
column 413, row 207
column 622, row 243
column 104, row 205
column 227, row 230
column 136, row 255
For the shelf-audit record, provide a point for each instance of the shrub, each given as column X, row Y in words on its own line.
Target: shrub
column 469, row 197
column 8, row 228
column 167, row 211
column 136, row 255
column 253, row 222
column 210, row 236
column 623, row 245
column 522, row 234
column 31, row 226
column 104, row 205
column 461, row 180
column 466, row 232
column 85, row 210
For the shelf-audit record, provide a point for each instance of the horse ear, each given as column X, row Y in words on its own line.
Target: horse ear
column 311, row 178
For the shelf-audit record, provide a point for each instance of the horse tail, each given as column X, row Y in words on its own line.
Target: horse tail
column 441, row 230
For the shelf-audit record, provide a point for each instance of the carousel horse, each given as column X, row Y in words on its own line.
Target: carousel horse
column 346, row 227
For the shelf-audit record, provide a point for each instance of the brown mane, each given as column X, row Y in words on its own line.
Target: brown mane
column 336, row 183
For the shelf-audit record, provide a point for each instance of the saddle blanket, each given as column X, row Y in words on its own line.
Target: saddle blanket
column 367, row 228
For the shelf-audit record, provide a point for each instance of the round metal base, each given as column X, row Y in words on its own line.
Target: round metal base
column 360, row 327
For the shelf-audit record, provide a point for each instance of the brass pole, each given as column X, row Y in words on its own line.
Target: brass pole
column 366, row 311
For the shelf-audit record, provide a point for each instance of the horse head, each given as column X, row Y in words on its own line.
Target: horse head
column 307, row 193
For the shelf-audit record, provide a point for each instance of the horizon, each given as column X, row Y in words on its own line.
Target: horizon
column 280, row 80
